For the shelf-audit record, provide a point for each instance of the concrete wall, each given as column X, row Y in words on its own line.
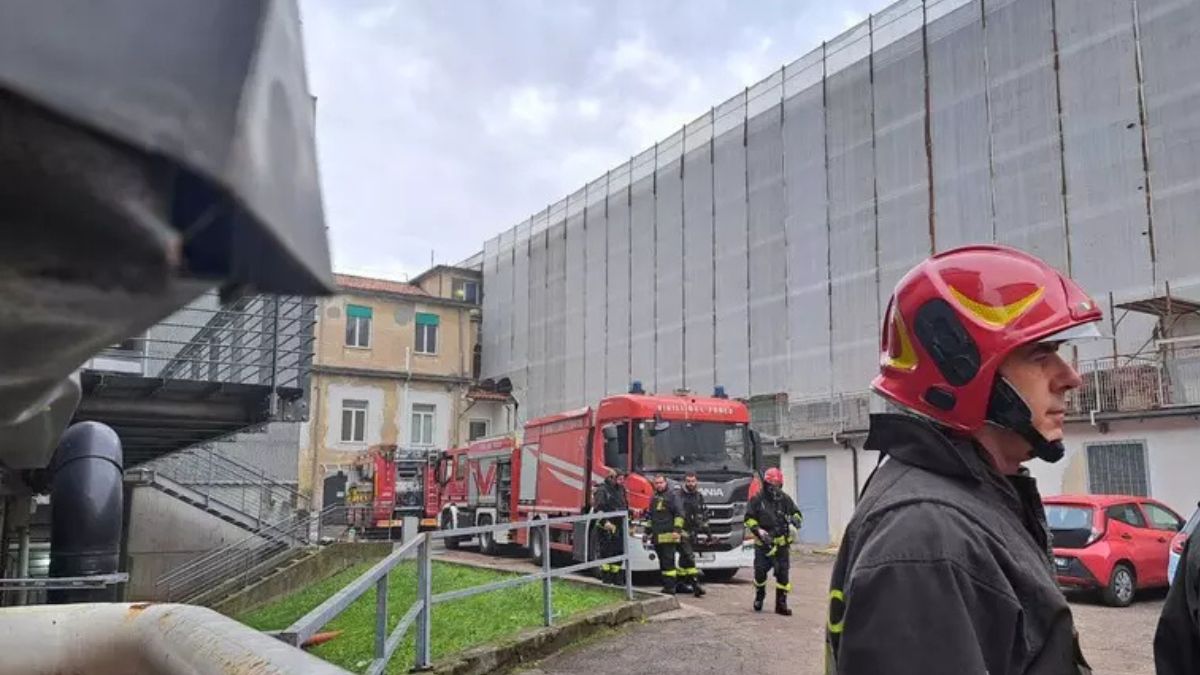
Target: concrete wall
column 1172, row 453
column 840, row 486
column 163, row 533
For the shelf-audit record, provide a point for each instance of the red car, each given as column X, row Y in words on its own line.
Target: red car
column 1116, row 544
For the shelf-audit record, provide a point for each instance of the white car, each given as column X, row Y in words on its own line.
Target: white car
column 1177, row 544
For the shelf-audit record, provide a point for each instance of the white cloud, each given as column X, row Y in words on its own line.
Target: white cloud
column 635, row 57
column 753, row 63
column 532, row 107
column 588, row 108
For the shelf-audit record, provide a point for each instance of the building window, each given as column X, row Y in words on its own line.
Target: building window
column 354, row 421
column 358, row 326
column 422, row 423
column 427, row 331
column 466, row 290
column 477, row 429
column 1118, row 469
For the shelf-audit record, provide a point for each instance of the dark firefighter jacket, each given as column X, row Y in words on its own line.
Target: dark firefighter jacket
column 1177, row 641
column 695, row 512
column 666, row 516
column 945, row 567
column 610, row 497
column 773, row 511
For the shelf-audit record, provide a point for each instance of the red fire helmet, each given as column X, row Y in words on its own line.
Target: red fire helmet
column 957, row 315
column 774, row 476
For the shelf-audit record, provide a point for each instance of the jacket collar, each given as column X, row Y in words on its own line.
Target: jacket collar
column 918, row 442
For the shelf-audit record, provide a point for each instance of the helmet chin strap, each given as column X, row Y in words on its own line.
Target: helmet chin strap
column 1007, row 409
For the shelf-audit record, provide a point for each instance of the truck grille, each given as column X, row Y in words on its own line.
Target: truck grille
column 720, row 519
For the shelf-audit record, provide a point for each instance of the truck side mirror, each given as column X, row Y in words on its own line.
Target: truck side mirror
column 756, row 450
column 613, row 457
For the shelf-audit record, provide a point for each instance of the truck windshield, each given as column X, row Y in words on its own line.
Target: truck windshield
column 694, row 446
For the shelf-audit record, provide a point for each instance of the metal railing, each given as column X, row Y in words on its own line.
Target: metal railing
column 420, row 612
column 261, row 339
column 226, row 481
column 235, row 566
column 1125, row 384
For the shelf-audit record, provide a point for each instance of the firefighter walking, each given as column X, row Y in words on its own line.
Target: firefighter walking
column 695, row 522
column 770, row 516
column 610, row 496
column 666, row 531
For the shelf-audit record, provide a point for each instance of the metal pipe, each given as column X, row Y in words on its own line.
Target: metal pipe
column 23, row 562
column 547, row 598
column 88, row 496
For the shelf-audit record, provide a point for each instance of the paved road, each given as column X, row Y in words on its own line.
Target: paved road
column 721, row 634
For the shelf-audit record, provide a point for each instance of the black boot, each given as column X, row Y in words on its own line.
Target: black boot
column 696, row 590
column 759, row 595
column 781, row 603
column 669, row 585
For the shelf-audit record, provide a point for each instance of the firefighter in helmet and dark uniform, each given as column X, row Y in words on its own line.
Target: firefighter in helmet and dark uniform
column 666, row 530
column 770, row 515
column 610, row 496
column 695, row 523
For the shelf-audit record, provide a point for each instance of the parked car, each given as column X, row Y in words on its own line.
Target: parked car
column 1177, row 543
column 1115, row 544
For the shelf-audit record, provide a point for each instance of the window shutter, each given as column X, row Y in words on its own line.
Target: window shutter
column 426, row 319
column 358, row 311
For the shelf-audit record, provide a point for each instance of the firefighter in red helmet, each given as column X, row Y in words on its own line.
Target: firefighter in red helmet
column 945, row 566
column 770, row 515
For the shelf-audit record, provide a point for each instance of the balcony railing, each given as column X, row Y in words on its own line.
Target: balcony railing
column 259, row 340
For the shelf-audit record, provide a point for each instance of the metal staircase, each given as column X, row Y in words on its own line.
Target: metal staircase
column 226, row 488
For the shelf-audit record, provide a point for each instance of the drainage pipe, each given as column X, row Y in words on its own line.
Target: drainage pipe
column 87, row 498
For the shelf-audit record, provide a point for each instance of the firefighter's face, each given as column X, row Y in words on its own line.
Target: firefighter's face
column 660, row 484
column 690, row 483
column 1042, row 377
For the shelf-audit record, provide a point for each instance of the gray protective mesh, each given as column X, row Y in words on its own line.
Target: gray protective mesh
column 1026, row 154
column 1170, row 48
column 535, row 396
column 642, row 272
column 596, row 308
column 554, row 377
column 490, row 335
column 575, row 298
column 699, row 344
column 901, row 154
column 519, row 365
column 852, row 241
column 668, row 252
column 807, row 228
column 958, row 121
column 729, row 212
column 768, row 246
column 617, row 358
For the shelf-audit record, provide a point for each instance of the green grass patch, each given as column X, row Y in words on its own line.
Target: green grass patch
column 456, row 625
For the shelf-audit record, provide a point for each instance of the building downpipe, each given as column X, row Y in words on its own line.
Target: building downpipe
column 87, row 502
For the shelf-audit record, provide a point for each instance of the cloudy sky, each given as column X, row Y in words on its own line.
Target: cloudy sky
column 443, row 122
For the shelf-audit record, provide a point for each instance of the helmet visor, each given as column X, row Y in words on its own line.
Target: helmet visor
column 1079, row 333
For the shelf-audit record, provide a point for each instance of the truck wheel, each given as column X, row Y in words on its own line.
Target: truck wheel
column 487, row 540
column 447, row 525
column 720, row 575
column 1122, row 585
column 536, row 544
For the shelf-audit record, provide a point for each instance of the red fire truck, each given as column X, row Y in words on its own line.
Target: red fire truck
column 553, row 469
column 389, row 483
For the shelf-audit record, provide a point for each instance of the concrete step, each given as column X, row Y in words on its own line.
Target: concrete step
column 263, row 570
